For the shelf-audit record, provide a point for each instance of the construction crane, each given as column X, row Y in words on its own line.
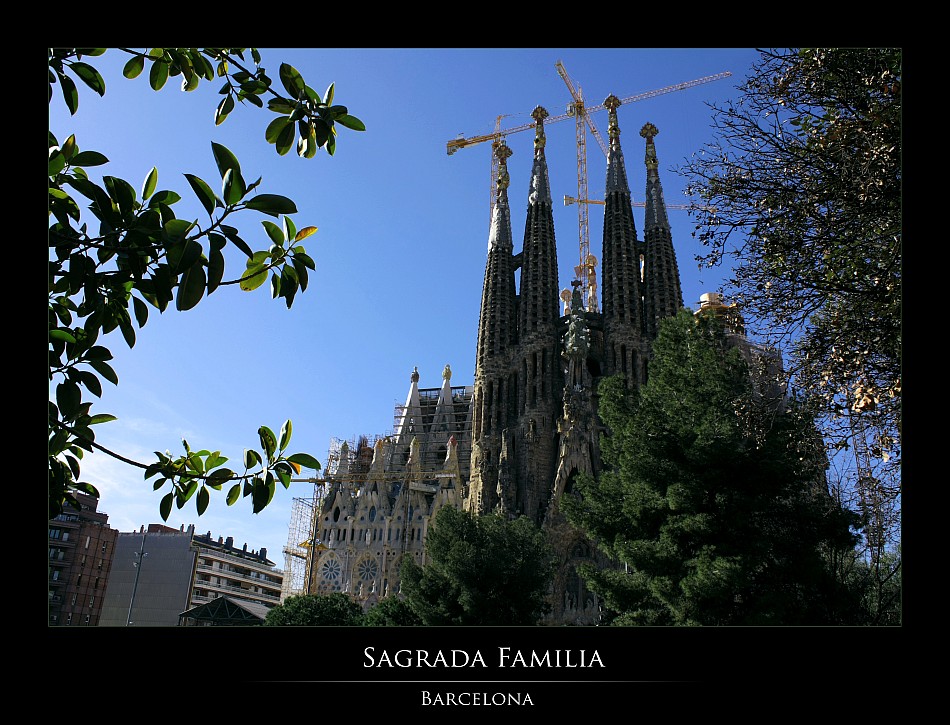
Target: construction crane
column 582, row 117
column 585, row 271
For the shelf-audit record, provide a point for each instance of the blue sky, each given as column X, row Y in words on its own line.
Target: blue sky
column 400, row 248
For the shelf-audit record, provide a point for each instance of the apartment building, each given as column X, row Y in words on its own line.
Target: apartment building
column 160, row 572
column 81, row 547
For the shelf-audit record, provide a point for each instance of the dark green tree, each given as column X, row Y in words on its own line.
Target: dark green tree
column 393, row 611
column 309, row 610
column 802, row 194
column 480, row 570
column 117, row 250
column 714, row 502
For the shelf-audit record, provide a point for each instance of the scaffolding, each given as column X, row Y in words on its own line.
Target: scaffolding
column 349, row 461
column 434, row 432
column 299, row 543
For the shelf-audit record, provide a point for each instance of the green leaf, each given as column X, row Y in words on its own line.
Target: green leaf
column 176, row 231
column 70, row 94
column 254, row 277
column 272, row 204
column 166, row 198
column 234, row 493
column 141, row 311
column 215, row 270
column 305, row 460
column 191, row 288
column 61, row 335
column 286, row 431
column 189, row 82
column 57, row 161
column 148, row 188
column 165, row 507
column 68, row 398
column 290, row 230
column 133, row 66
column 88, row 158
column 217, row 478
column 303, row 277
column 275, row 233
column 280, row 105
column 224, row 109
column 351, row 122
column 122, row 193
column 285, row 140
column 263, row 493
column 274, row 128
column 233, row 188
column 158, row 74
column 204, row 498
column 251, row 458
column 105, row 370
column 268, row 440
column 90, row 381
column 128, row 332
column 203, row 192
column 292, row 81
column 225, row 160
column 90, row 76
column 102, row 418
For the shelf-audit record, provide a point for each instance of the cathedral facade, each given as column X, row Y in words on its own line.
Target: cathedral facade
column 515, row 440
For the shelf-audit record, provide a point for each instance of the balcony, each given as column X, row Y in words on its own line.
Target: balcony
column 238, row 592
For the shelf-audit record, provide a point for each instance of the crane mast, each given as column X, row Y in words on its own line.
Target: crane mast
column 585, row 271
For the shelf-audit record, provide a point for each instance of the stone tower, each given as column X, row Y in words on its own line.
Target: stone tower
column 664, row 297
column 535, row 424
column 518, row 376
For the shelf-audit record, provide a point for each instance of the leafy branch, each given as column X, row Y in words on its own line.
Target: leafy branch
column 141, row 255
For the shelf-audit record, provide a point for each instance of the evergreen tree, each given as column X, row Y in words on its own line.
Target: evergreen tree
column 714, row 496
column 310, row 610
column 480, row 570
column 391, row 612
column 802, row 191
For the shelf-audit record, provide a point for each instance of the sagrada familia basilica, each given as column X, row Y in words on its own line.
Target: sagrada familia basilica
column 513, row 441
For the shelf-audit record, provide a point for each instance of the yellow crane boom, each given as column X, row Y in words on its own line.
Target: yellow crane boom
column 583, row 121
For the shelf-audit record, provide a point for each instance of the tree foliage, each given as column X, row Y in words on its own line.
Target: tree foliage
column 802, row 190
column 392, row 611
column 311, row 610
column 713, row 497
column 118, row 250
column 480, row 570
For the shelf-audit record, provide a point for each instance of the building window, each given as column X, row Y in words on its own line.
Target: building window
column 88, row 539
column 87, row 619
column 104, row 545
column 92, row 600
column 69, row 619
column 73, row 602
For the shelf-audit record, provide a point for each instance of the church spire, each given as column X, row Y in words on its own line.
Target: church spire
column 664, row 296
column 496, row 327
column 538, row 307
column 621, row 283
column 410, row 419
